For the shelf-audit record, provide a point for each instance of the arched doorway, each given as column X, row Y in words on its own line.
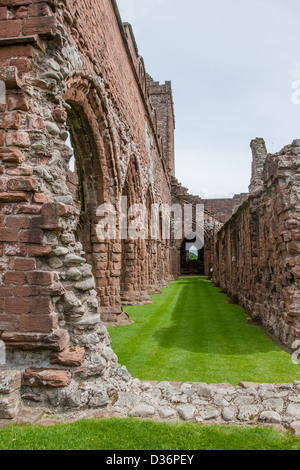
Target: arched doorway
column 86, row 187
column 90, row 182
column 134, row 274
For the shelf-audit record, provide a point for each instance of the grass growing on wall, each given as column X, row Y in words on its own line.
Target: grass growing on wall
column 192, row 333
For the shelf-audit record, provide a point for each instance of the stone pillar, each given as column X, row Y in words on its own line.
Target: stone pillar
column 153, row 276
column 259, row 155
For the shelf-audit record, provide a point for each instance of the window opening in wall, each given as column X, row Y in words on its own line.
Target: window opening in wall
column 193, row 254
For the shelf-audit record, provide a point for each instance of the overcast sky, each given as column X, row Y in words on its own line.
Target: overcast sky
column 232, row 64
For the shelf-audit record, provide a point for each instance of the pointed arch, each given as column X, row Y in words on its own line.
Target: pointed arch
column 132, row 185
column 83, row 97
column 95, row 178
column 133, row 280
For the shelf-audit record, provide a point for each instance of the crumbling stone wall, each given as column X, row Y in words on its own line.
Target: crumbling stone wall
column 221, row 209
column 248, row 404
column 257, row 250
column 72, row 67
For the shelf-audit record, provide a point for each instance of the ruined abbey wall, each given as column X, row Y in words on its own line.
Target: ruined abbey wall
column 257, row 253
column 73, row 68
column 221, row 209
column 72, row 72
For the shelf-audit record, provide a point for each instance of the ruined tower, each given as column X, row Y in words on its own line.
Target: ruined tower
column 162, row 100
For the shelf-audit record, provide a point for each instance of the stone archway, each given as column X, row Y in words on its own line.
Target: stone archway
column 61, row 333
column 133, row 281
column 153, row 257
column 97, row 183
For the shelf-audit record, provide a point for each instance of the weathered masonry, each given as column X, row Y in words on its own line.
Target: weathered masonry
column 257, row 254
column 72, row 71
column 72, row 68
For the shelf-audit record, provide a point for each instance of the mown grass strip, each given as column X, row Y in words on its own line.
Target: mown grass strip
column 192, row 333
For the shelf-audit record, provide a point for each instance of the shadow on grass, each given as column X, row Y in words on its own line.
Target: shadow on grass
column 203, row 321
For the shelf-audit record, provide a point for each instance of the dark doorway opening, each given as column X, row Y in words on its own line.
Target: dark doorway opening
column 191, row 259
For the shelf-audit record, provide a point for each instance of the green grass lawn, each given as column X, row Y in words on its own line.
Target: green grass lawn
column 131, row 434
column 192, row 333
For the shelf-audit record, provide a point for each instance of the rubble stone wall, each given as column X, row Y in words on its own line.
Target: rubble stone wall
column 223, row 209
column 72, row 70
column 73, row 67
column 246, row 404
column 257, row 253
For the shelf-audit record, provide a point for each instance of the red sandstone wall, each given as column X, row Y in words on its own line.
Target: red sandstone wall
column 258, row 249
column 72, row 61
column 221, row 209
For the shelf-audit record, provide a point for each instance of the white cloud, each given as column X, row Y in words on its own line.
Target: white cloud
column 232, row 65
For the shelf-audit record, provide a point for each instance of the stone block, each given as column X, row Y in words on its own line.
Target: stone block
column 40, row 278
column 18, row 139
column 10, row 381
column 142, row 411
column 70, row 357
column 44, row 25
column 295, row 428
column 270, row 417
column 51, row 378
column 38, row 323
column 10, row 28
column 57, row 340
column 186, row 412
column 9, row 405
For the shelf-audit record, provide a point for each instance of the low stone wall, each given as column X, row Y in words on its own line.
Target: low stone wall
column 245, row 404
column 248, row 403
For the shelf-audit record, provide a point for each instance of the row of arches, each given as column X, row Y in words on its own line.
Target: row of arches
column 126, row 270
